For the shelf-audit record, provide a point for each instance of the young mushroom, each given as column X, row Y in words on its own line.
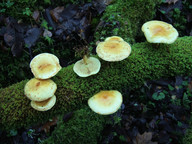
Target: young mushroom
column 44, row 105
column 87, row 66
column 113, row 49
column 159, row 32
column 45, row 65
column 39, row 90
column 106, row 102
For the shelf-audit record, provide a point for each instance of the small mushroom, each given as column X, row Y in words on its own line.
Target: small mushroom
column 113, row 49
column 159, row 32
column 44, row 105
column 45, row 65
column 106, row 102
column 87, row 66
column 39, row 90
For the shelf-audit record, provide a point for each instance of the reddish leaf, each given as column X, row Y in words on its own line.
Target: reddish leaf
column 55, row 13
column 190, row 86
column 46, row 127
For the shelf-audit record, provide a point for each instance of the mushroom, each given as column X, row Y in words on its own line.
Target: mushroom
column 45, row 65
column 106, row 102
column 87, row 66
column 44, row 105
column 116, row 38
column 39, row 90
column 113, row 49
column 159, row 32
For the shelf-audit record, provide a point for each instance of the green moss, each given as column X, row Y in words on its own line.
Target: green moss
column 145, row 63
column 84, row 128
column 13, row 69
column 20, row 9
column 188, row 137
column 125, row 18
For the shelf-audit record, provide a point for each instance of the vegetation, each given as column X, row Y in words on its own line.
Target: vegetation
column 125, row 18
column 145, row 62
column 188, row 137
column 84, row 127
column 17, row 69
column 23, row 9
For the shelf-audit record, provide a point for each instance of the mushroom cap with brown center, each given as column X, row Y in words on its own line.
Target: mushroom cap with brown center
column 106, row 102
column 45, row 65
column 91, row 67
column 113, row 50
column 115, row 38
column 39, row 90
column 44, row 105
column 159, row 32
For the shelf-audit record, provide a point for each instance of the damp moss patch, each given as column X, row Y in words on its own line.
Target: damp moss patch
column 146, row 62
column 84, row 127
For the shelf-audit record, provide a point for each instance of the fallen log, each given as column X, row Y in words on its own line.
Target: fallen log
column 146, row 62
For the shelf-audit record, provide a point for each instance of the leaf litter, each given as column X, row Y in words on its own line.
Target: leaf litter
column 145, row 119
column 65, row 23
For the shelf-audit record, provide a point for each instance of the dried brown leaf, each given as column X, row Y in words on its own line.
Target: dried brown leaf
column 36, row 15
column 190, row 86
column 46, row 127
column 106, row 2
column 145, row 138
column 171, row 1
column 55, row 13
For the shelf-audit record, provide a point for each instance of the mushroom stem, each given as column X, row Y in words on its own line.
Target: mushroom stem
column 85, row 59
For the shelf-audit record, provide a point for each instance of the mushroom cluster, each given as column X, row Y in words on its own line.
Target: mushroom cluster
column 114, row 48
column 41, row 89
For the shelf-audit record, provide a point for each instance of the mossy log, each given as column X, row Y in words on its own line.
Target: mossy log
column 147, row 61
column 125, row 18
column 85, row 127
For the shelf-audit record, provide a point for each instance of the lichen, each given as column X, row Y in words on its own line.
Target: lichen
column 146, row 62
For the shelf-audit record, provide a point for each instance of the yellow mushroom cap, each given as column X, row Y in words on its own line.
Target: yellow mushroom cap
column 106, row 102
column 39, row 90
column 113, row 50
column 44, row 105
column 159, row 32
column 116, row 38
column 45, row 65
column 91, row 67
